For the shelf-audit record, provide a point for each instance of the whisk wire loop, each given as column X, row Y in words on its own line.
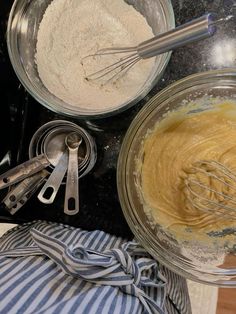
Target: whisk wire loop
column 124, row 70
column 220, row 213
column 222, row 168
column 204, row 197
column 122, row 64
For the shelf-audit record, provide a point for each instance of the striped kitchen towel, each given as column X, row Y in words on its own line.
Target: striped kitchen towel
column 53, row 268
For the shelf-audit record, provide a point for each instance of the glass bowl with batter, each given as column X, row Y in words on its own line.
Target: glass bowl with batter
column 22, row 34
column 193, row 119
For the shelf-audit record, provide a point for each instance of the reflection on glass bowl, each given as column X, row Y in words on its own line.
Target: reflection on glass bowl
column 23, row 25
column 195, row 260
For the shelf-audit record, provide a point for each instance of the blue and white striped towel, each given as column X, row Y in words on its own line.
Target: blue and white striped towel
column 53, row 268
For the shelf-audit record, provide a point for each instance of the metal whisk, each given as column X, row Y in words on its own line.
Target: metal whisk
column 195, row 30
column 211, row 187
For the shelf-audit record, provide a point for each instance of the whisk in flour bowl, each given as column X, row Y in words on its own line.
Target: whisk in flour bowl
column 48, row 40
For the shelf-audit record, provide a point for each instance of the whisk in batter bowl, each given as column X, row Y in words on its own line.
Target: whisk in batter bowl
column 192, row 120
column 186, row 172
column 210, row 186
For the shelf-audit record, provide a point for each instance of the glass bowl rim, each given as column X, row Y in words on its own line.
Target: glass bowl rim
column 24, row 80
column 140, row 231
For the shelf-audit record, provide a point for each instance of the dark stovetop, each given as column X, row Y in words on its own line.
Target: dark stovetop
column 21, row 115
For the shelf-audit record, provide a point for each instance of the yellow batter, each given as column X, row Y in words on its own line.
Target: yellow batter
column 171, row 153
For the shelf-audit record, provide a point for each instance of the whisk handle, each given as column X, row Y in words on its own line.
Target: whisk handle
column 195, row 30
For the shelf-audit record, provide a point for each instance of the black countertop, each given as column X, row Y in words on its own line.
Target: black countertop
column 21, row 115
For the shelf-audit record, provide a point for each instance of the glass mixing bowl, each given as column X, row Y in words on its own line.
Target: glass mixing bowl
column 162, row 246
column 23, row 25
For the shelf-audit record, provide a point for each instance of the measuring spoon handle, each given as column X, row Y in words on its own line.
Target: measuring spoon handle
column 18, row 196
column 71, row 205
column 23, row 188
column 23, row 171
column 51, row 187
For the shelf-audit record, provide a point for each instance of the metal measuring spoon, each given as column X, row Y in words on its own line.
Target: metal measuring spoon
column 20, row 194
column 71, row 205
column 51, row 187
column 23, row 171
column 59, row 159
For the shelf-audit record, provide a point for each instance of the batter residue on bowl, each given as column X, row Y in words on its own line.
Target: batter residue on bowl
column 169, row 152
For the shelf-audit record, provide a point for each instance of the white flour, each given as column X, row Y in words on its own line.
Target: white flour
column 73, row 29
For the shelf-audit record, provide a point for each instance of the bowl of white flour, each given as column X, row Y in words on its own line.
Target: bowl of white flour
column 49, row 40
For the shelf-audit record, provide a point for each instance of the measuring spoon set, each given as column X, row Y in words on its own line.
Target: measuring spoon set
column 60, row 152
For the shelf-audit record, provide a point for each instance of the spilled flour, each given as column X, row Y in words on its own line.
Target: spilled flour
column 71, row 30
